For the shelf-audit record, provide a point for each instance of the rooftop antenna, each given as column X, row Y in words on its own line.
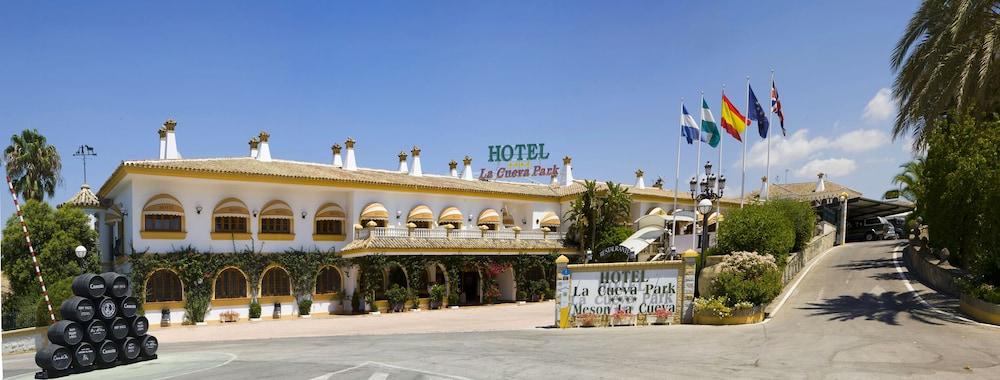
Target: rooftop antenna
column 83, row 152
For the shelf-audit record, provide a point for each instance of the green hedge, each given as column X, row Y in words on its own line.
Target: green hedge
column 757, row 228
column 802, row 217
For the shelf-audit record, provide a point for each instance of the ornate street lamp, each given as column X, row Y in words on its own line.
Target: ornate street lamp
column 711, row 189
column 81, row 252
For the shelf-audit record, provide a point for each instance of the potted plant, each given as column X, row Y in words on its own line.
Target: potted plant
column 586, row 319
column 229, row 316
column 164, row 317
column 305, row 308
column 411, row 300
column 662, row 316
column 396, row 297
column 621, row 317
column 356, row 306
column 438, row 295
column 254, row 311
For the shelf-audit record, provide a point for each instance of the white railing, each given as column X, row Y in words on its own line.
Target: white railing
column 441, row 233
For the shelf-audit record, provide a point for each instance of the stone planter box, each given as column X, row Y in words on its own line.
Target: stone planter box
column 739, row 317
column 424, row 303
column 980, row 310
column 382, row 306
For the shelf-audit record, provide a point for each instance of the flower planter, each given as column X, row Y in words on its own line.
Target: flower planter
column 424, row 303
column 254, row 319
column 382, row 306
column 663, row 321
column 738, row 317
column 305, row 316
column 407, row 305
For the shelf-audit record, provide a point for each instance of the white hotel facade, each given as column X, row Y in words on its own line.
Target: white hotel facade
column 272, row 205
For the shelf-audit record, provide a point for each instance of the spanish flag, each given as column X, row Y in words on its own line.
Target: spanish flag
column 732, row 120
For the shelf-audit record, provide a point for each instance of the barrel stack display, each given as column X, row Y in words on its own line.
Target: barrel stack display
column 99, row 329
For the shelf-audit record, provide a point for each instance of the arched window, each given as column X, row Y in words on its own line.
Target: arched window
column 374, row 212
column 276, row 218
column 164, row 286
column 452, row 216
column 231, row 283
column 421, row 216
column 162, row 218
column 328, row 281
column 275, row 283
column 329, row 221
column 231, row 216
column 489, row 218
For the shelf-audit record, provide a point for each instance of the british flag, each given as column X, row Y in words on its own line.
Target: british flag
column 776, row 107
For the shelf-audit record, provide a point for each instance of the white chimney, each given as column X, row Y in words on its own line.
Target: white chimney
column 402, row 162
column 350, row 164
column 337, row 161
column 163, row 142
column 467, row 169
column 416, row 172
column 264, row 150
column 171, row 152
column 820, row 184
column 640, row 181
column 555, row 180
column 567, row 171
column 254, row 143
column 452, row 169
column 763, row 188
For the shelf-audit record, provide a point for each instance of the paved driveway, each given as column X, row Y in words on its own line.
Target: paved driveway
column 852, row 317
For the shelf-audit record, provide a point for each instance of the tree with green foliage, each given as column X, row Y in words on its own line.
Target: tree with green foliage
column 33, row 165
column 962, row 205
column 947, row 60
column 801, row 216
column 55, row 234
column 757, row 228
column 598, row 216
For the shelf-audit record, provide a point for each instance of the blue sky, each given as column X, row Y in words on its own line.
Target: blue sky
column 601, row 81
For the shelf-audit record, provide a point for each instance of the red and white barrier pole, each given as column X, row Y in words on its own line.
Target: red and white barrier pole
column 34, row 257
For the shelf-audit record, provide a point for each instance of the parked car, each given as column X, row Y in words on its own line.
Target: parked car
column 870, row 229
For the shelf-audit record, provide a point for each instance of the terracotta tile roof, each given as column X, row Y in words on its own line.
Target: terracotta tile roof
column 804, row 191
column 84, row 198
column 412, row 243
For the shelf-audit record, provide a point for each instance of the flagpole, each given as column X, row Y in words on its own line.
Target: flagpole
column 746, row 122
column 677, row 179
column 718, row 221
column 767, row 169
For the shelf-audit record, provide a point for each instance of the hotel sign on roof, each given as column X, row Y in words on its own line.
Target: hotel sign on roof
column 518, row 161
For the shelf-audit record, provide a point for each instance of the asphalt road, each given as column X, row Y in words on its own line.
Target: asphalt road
column 853, row 316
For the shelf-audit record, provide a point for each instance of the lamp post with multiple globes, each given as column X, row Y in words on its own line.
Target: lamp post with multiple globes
column 707, row 190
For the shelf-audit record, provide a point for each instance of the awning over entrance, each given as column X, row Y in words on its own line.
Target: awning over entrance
column 860, row 208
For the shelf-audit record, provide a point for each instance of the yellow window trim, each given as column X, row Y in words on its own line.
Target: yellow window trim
column 329, row 237
column 231, row 301
column 164, row 235
column 271, row 236
column 270, row 300
column 230, row 236
column 157, row 306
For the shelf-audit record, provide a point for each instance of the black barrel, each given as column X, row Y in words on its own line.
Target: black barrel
column 137, row 326
column 107, row 352
column 65, row 333
column 118, row 328
column 88, row 285
column 116, row 283
column 107, row 308
column 127, row 306
column 84, row 355
column 95, row 331
column 77, row 308
column 53, row 357
column 149, row 345
column 128, row 349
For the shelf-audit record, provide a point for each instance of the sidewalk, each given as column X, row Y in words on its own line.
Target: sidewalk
column 465, row 319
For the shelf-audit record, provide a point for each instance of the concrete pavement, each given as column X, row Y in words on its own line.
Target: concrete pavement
column 851, row 317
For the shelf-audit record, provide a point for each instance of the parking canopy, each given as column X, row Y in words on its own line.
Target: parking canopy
column 860, row 208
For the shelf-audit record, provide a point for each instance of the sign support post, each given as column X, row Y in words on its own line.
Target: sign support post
column 687, row 290
column 562, row 292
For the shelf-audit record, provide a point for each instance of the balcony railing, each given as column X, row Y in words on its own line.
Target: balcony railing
column 441, row 233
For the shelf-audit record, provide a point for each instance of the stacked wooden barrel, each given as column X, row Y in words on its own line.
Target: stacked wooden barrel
column 100, row 329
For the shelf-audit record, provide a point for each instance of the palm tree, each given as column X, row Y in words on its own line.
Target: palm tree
column 33, row 165
column 947, row 60
column 615, row 206
column 910, row 181
column 583, row 214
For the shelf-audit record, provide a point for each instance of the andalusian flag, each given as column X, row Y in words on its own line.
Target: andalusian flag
column 732, row 120
column 708, row 127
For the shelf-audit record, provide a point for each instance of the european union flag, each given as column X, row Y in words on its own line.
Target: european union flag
column 757, row 114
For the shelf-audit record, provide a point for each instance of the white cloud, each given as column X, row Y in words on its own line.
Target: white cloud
column 834, row 167
column 786, row 149
column 861, row 140
column 880, row 108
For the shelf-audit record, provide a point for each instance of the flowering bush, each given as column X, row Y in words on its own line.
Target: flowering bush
column 495, row 269
column 747, row 277
column 715, row 306
column 493, row 293
column 663, row 314
column 620, row 315
column 748, row 263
